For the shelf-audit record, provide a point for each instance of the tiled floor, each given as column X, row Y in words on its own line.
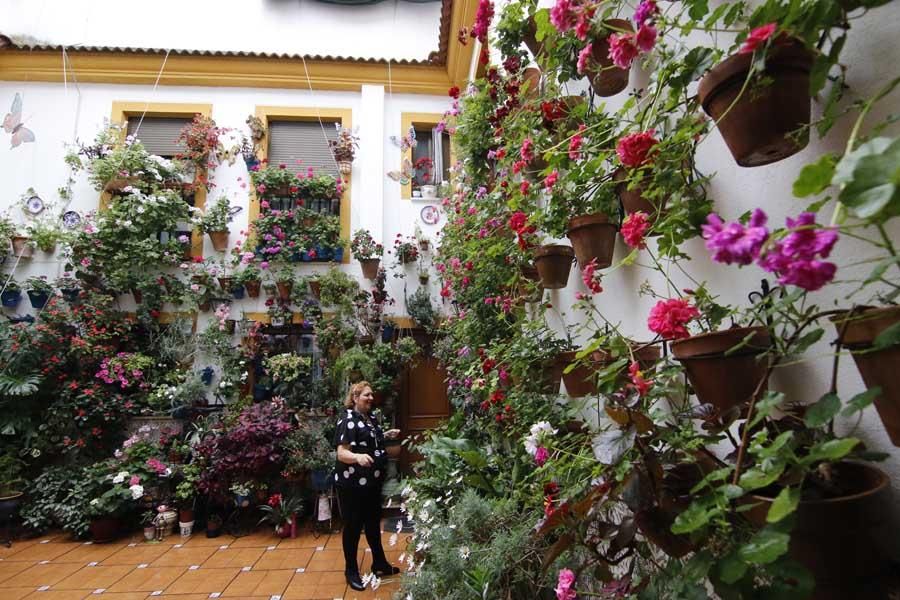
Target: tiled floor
column 258, row 567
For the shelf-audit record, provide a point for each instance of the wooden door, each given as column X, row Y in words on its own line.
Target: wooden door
column 423, row 403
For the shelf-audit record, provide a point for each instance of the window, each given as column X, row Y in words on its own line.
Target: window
column 433, row 155
column 303, row 144
column 159, row 135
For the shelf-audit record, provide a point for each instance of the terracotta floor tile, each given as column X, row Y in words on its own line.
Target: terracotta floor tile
column 259, row 583
column 260, row 539
column 181, row 596
column 234, row 557
column 144, row 553
column 85, row 553
column 203, row 581
column 326, row 560
column 39, row 575
column 124, row 596
column 38, row 552
column 385, row 591
column 17, row 546
column 15, row 593
column 307, row 540
column 313, row 586
column 184, row 557
column 284, row 558
column 92, row 578
column 58, row 595
column 8, row 569
column 149, row 579
column 201, row 540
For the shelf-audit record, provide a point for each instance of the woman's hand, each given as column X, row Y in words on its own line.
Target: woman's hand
column 392, row 434
column 364, row 460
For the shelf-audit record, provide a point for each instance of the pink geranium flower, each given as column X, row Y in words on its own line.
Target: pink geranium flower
column 796, row 258
column 622, row 49
column 565, row 584
column 733, row 242
column 645, row 38
column 583, row 57
column 591, row 277
column 541, row 455
column 563, row 16
column 634, row 228
column 634, row 149
column 757, row 37
column 669, row 318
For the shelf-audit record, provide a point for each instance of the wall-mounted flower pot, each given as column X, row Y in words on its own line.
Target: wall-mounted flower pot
column 252, row 287
column 758, row 125
column 337, row 254
column 548, row 376
column 22, row 246
column 530, row 37
column 531, row 78
column 606, row 78
column 370, row 267
column 553, row 264
column 226, row 283
column 237, row 292
column 724, row 380
column 323, row 254
column 251, row 162
column 579, row 381
column 531, row 289
column 857, row 333
column 845, row 541
column 105, row 529
column 646, row 357
column 633, row 200
column 219, row 240
column 11, row 299
column 284, row 290
column 346, row 167
column 592, row 237
column 315, row 288
column 138, row 296
column 204, row 306
column 38, row 299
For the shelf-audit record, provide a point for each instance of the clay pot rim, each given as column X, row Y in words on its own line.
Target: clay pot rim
column 792, row 54
column 369, row 260
column 616, row 24
column 554, row 250
column 883, row 481
column 586, row 220
column 721, row 333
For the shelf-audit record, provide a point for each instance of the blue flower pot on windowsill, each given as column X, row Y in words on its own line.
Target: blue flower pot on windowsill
column 11, row 299
column 38, row 299
column 296, row 256
column 251, row 162
column 337, row 254
column 305, row 257
column 71, row 294
column 23, row 319
column 237, row 292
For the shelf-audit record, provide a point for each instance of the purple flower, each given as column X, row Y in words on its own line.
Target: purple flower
column 645, row 11
column 734, row 242
column 796, row 258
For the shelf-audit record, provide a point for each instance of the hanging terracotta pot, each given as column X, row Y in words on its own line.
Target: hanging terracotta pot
column 530, row 37
column 633, row 200
column 252, row 286
column 531, row 79
column 22, row 246
column 226, row 283
column 530, row 288
column 758, row 125
column 548, row 376
column 606, row 78
column 592, row 237
column 646, row 357
column 844, row 541
column 580, row 380
column 553, row 264
column 370, row 267
column 315, row 288
column 284, row 290
column 879, row 368
column 205, row 305
column 219, row 240
column 571, row 104
column 720, row 380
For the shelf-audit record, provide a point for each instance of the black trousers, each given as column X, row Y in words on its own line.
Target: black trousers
column 361, row 510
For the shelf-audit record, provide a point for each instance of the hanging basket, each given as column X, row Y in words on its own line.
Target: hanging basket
column 606, row 78
column 759, row 124
column 345, row 167
column 219, row 240
column 719, row 376
column 879, row 368
column 553, row 264
column 370, row 267
column 593, row 237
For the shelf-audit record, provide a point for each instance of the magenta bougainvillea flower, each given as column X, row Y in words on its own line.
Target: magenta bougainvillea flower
column 483, row 20
column 565, row 584
column 634, row 149
column 734, row 242
column 757, row 37
column 669, row 318
column 634, row 229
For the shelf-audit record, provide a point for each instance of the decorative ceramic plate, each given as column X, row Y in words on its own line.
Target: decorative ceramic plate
column 34, row 205
column 71, row 219
column 430, row 214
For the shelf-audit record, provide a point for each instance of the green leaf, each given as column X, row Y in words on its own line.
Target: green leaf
column 814, row 178
column 808, row 340
column 823, row 411
column 784, row 504
column 732, row 568
column 696, row 516
column 756, row 478
column 830, row 450
column 889, row 337
column 861, row 401
column 870, row 180
column 764, row 547
column 698, row 9
column 765, row 405
column 732, row 491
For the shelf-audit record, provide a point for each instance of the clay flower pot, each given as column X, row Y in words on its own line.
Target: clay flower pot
column 219, row 240
column 633, row 200
column 532, row 79
column 370, row 267
column 757, row 125
column 857, row 332
column 284, row 289
column 530, row 289
column 105, row 529
column 720, row 380
column 530, row 37
column 592, row 237
column 606, row 78
column 22, row 246
column 138, row 296
column 252, row 288
column 580, row 380
column 315, row 288
column 548, row 376
column 553, row 264
column 226, row 283
column 844, row 541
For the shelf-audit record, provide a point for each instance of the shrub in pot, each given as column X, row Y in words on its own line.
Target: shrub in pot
column 367, row 251
column 215, row 220
column 39, row 291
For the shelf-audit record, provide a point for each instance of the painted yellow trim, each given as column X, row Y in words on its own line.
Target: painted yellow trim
column 261, row 317
column 344, row 116
column 408, row 120
column 122, row 111
column 136, row 68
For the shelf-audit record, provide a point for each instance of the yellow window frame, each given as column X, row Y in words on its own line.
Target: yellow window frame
column 414, row 119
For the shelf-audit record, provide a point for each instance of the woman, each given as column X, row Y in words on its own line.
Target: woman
column 360, row 473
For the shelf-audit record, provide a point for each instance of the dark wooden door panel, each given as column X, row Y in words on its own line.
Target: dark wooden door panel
column 424, row 403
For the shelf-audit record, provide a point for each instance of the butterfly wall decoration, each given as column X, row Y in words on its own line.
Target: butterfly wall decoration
column 406, row 172
column 408, row 141
column 12, row 124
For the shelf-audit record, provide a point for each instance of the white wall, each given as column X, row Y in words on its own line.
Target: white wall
column 57, row 116
column 392, row 29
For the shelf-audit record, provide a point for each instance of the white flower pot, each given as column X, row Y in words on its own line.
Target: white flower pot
column 186, row 528
column 429, row 192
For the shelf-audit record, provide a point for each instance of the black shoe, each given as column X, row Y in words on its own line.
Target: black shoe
column 354, row 581
column 385, row 570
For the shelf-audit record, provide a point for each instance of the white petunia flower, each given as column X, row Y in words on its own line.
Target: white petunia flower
column 464, row 552
column 137, row 491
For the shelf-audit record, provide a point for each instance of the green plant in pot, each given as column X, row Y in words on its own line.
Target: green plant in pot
column 45, row 234
column 214, row 222
column 11, row 485
column 367, row 251
column 421, row 309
